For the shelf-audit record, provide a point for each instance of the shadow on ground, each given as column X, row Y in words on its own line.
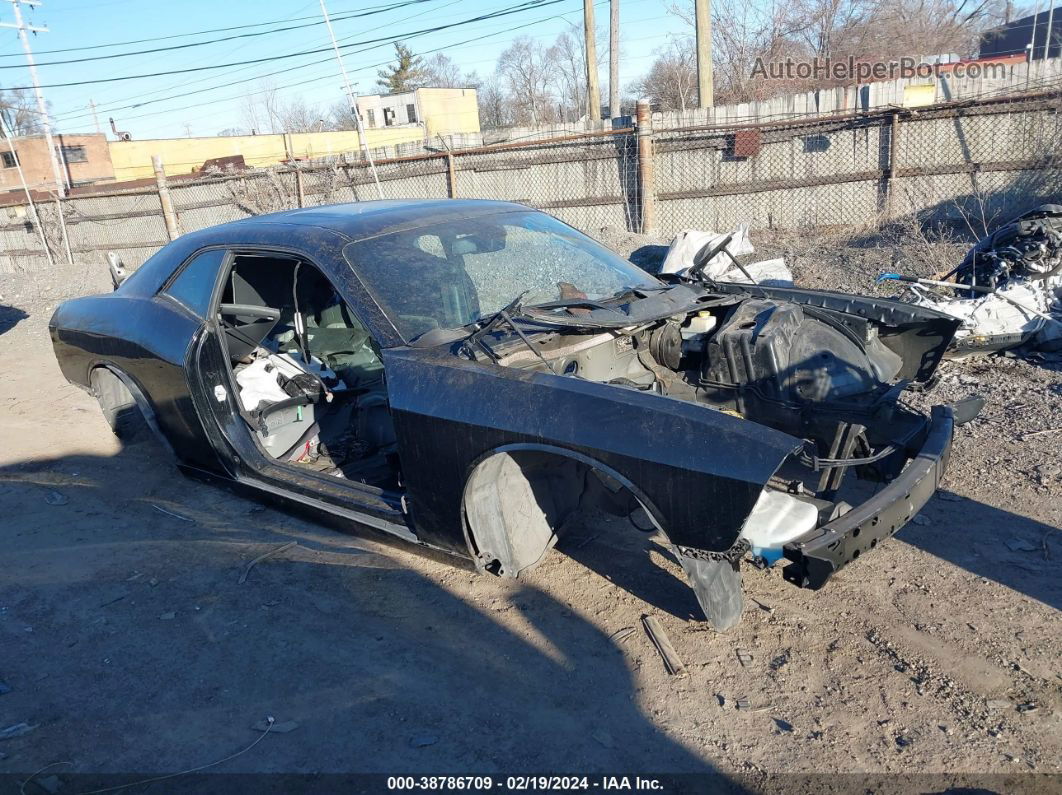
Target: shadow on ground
column 985, row 541
column 10, row 316
column 998, row 545
column 123, row 620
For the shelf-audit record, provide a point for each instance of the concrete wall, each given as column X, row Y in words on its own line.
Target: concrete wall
column 132, row 159
column 448, row 110
column 441, row 111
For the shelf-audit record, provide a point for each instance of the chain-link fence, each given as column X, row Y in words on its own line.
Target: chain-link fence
column 587, row 181
column 972, row 164
column 818, row 173
column 976, row 166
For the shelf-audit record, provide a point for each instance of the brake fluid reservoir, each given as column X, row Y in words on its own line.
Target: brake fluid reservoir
column 698, row 325
column 776, row 519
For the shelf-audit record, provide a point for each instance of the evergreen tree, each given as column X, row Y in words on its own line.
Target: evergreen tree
column 405, row 74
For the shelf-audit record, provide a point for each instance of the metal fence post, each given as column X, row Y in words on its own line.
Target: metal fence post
column 300, row 190
column 890, row 169
column 62, row 228
column 646, row 172
column 451, row 175
column 168, row 215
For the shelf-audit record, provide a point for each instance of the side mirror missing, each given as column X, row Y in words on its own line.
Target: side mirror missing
column 117, row 268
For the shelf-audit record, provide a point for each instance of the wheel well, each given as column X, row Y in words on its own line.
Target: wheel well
column 123, row 404
column 517, row 501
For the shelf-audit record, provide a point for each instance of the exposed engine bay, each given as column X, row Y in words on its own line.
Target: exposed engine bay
column 829, row 376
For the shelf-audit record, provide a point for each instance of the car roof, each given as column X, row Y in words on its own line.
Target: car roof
column 361, row 220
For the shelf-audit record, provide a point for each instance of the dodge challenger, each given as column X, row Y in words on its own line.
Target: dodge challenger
column 466, row 375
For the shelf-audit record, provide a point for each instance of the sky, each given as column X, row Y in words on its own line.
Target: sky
column 202, row 103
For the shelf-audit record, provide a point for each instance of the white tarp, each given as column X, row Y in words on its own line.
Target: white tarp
column 690, row 241
column 769, row 273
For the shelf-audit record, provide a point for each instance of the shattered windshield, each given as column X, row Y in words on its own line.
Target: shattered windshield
column 451, row 274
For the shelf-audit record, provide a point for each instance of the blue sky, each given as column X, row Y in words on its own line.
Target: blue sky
column 645, row 27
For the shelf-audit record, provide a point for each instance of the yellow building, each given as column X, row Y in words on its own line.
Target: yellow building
column 389, row 121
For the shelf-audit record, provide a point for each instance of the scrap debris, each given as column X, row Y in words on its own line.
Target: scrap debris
column 263, row 556
column 655, row 630
column 1007, row 290
column 171, row 513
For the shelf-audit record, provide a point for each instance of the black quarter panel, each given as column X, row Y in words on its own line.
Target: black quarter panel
column 701, row 470
column 147, row 339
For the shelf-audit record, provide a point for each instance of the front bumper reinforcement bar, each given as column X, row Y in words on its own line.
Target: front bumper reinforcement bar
column 820, row 553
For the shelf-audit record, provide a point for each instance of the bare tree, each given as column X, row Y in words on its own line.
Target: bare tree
column 742, row 33
column 527, row 73
column 341, row 117
column 297, row 116
column 568, row 54
column 265, row 111
column 259, row 110
column 745, row 33
column 568, row 62
column 671, row 83
column 494, row 110
column 439, row 71
column 20, row 112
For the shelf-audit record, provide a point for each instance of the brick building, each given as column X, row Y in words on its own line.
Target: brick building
column 84, row 160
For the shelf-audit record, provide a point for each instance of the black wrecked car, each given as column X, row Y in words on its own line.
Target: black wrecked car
column 464, row 375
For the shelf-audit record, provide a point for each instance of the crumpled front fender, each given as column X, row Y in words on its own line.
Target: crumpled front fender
column 698, row 470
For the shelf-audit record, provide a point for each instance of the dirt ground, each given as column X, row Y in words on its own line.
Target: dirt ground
column 129, row 644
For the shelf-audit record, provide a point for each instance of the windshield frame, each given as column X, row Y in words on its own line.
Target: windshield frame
column 350, row 251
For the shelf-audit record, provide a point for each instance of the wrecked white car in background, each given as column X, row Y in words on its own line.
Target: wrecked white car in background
column 1007, row 290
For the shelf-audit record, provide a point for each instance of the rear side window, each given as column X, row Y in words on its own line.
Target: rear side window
column 194, row 285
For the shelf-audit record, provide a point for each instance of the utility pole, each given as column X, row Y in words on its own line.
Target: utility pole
column 613, row 60
column 95, row 118
column 593, row 92
column 1050, row 21
column 705, row 94
column 353, row 100
column 41, row 107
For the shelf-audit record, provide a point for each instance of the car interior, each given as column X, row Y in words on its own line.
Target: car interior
column 310, row 376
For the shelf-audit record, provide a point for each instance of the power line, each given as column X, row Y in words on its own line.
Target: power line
column 216, row 41
column 254, row 78
column 385, row 7
column 74, row 115
column 139, row 97
column 525, row 6
column 315, row 79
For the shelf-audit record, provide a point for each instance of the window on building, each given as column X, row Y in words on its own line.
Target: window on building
column 74, row 154
column 371, row 116
column 389, row 117
column 9, row 159
column 194, row 285
column 411, row 113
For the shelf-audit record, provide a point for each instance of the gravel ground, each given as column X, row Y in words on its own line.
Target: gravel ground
column 129, row 644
